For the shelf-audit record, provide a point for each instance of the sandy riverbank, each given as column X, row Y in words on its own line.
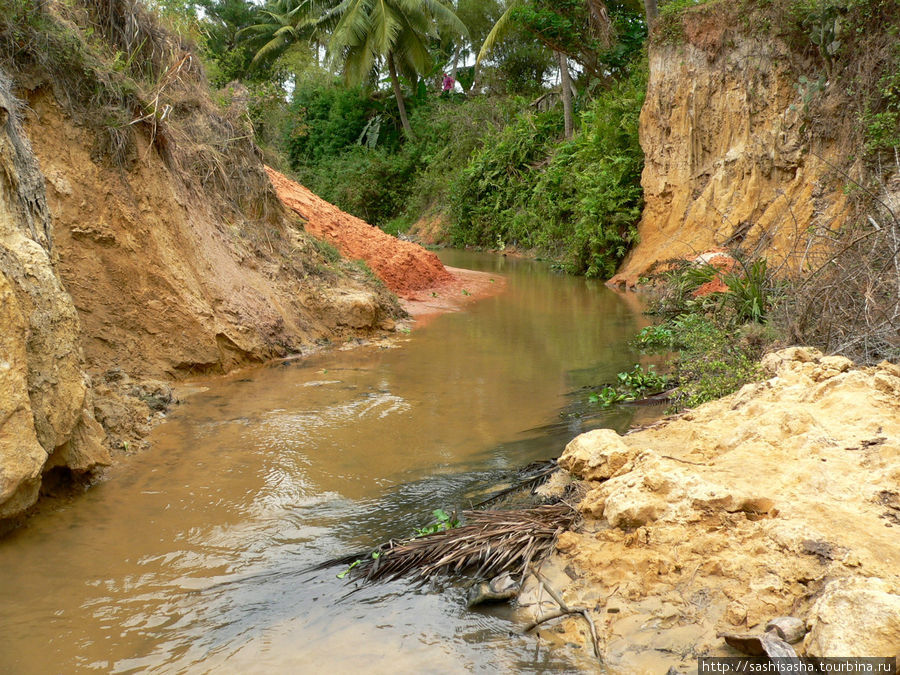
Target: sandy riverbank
column 781, row 499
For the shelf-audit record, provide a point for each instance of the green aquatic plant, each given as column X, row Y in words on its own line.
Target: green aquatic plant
column 443, row 521
column 375, row 556
column 629, row 386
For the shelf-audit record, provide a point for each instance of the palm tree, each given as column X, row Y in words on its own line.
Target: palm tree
column 599, row 23
column 284, row 23
column 396, row 31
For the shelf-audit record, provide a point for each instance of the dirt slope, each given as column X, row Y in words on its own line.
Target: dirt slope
column 412, row 272
column 404, row 267
column 166, row 281
column 782, row 499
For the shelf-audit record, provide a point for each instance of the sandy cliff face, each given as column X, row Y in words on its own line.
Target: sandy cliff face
column 724, row 131
column 167, row 279
column 46, row 407
column 115, row 273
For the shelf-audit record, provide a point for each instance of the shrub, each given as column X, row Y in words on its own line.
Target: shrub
column 577, row 200
column 709, row 362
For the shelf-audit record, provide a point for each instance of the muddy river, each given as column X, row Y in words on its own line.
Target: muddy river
column 194, row 556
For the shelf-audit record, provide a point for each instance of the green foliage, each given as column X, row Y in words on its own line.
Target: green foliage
column 712, row 359
column 658, row 337
column 490, row 194
column 519, row 65
column 641, row 381
column 372, row 184
column 328, row 119
column 227, row 57
column 386, row 182
column 442, row 522
column 881, row 116
column 750, row 292
column 629, row 386
column 578, row 200
column 368, row 31
column 711, row 363
column 717, row 339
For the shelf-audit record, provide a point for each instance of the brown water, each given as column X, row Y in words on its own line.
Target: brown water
column 192, row 557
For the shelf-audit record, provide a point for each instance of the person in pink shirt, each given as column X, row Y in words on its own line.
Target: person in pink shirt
column 447, row 84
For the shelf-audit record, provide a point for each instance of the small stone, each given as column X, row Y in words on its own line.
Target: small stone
column 498, row 589
column 788, row 628
column 736, row 613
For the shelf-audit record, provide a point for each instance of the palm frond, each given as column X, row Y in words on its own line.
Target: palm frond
column 490, row 543
column 497, row 32
column 412, row 55
column 353, row 27
column 446, row 18
column 271, row 49
column 386, row 26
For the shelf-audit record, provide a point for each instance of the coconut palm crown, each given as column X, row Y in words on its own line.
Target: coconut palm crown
column 396, row 32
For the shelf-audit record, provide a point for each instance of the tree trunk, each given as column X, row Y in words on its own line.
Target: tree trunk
column 398, row 94
column 651, row 11
column 566, row 85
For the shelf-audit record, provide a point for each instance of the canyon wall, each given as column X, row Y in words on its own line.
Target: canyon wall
column 733, row 153
column 46, row 406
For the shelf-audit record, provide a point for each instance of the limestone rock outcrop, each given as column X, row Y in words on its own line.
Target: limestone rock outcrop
column 782, row 499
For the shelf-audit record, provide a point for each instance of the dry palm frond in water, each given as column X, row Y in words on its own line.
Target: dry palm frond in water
column 490, row 543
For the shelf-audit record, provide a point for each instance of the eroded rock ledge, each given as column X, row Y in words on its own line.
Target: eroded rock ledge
column 782, row 499
column 46, row 406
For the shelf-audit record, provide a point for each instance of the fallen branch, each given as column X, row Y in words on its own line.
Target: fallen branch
column 489, row 544
column 564, row 610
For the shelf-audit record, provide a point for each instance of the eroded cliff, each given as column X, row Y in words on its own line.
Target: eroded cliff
column 157, row 250
column 46, row 406
column 734, row 153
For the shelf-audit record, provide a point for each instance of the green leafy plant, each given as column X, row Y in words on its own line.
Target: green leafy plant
column 375, row 556
column 629, row 386
column 750, row 292
column 442, row 521
column 654, row 338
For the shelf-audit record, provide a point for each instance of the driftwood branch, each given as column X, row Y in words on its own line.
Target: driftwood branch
column 564, row 610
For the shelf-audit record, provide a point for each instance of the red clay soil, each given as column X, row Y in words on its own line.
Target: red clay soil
column 413, row 273
column 724, row 264
column 404, row 267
